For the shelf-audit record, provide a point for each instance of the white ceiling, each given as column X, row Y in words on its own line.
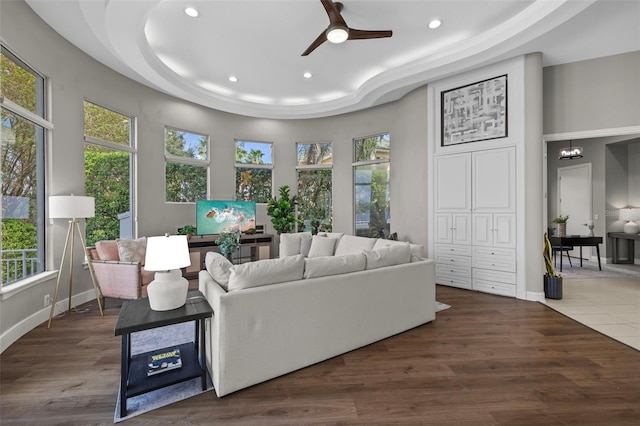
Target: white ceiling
column 261, row 42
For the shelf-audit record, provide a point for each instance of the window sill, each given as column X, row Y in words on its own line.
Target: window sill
column 13, row 289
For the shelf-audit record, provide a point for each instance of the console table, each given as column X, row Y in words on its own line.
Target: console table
column 136, row 315
column 577, row 241
column 630, row 238
column 252, row 247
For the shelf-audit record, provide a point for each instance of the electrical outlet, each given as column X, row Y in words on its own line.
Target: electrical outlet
column 47, row 300
column 595, row 217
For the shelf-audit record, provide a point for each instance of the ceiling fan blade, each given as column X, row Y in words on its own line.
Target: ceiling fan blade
column 333, row 11
column 365, row 34
column 317, row 42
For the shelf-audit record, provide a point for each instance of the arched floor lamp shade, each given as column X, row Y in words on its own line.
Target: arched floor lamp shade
column 74, row 208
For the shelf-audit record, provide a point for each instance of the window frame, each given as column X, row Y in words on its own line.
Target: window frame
column 176, row 159
column 355, row 164
column 269, row 166
column 43, row 137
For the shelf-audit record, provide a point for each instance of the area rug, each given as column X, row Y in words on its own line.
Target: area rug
column 441, row 306
column 146, row 341
column 590, row 269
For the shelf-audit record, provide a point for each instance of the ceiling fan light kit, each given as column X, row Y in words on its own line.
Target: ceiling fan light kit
column 338, row 31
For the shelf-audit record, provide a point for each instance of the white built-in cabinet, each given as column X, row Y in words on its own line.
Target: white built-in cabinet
column 475, row 220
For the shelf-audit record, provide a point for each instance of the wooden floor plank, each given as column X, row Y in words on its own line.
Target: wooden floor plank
column 487, row 360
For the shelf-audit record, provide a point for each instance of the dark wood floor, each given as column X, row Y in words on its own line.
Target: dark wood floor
column 488, row 360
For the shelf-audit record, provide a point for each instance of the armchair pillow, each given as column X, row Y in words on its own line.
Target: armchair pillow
column 132, row 250
column 107, row 250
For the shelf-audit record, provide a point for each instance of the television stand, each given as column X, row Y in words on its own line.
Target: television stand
column 252, row 247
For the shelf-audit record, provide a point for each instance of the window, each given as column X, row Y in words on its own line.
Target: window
column 186, row 167
column 315, row 186
column 371, row 193
column 254, row 167
column 23, row 157
column 108, row 168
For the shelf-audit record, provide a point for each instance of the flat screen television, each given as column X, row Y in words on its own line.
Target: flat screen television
column 218, row 216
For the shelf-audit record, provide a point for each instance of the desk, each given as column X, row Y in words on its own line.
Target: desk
column 615, row 236
column 579, row 241
column 136, row 315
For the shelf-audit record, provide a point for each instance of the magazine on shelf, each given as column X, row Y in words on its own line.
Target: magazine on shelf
column 164, row 360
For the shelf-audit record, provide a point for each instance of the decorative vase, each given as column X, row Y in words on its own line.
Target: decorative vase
column 562, row 229
column 552, row 287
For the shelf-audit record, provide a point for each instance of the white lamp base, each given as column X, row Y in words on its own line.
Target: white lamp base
column 168, row 290
column 630, row 227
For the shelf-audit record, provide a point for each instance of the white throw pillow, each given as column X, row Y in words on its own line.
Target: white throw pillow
column 388, row 256
column 337, row 235
column 268, row 271
column 333, row 265
column 132, row 250
column 322, row 246
column 417, row 250
column 350, row 244
column 219, row 267
column 305, row 243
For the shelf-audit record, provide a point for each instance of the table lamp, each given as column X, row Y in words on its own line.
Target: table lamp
column 629, row 215
column 71, row 207
column 166, row 255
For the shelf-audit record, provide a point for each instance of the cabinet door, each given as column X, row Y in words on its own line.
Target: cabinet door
column 494, row 181
column 504, row 230
column 453, row 183
column 443, row 228
column 482, row 229
column 461, row 228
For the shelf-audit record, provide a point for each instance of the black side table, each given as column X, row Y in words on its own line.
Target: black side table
column 136, row 315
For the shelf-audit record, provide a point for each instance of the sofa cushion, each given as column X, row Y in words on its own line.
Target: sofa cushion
column 333, row 265
column 107, row 250
column 132, row 249
column 322, row 246
column 417, row 250
column 387, row 256
column 219, row 267
column 350, row 244
column 295, row 243
column 268, row 271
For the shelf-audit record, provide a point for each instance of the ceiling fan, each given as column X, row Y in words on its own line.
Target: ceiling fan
column 338, row 31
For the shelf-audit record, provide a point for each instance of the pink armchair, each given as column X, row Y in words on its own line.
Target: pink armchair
column 120, row 279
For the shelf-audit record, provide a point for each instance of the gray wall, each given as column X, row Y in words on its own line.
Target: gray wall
column 595, row 94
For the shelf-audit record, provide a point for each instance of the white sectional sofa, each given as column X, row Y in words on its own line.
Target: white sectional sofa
column 275, row 316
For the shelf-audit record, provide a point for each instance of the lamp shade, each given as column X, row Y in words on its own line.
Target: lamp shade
column 627, row 214
column 71, row 207
column 166, row 253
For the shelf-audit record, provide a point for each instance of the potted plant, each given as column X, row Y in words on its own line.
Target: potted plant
column 562, row 224
column 282, row 211
column 229, row 242
column 187, row 230
column 552, row 280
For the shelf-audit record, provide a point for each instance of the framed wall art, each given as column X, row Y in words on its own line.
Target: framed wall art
column 475, row 112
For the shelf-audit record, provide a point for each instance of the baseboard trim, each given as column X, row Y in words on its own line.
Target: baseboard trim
column 26, row 325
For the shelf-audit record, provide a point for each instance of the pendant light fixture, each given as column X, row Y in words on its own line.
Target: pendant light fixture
column 570, row 153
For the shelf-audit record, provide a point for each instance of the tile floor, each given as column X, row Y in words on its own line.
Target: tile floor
column 610, row 305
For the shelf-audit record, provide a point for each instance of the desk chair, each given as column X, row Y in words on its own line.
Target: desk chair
column 556, row 249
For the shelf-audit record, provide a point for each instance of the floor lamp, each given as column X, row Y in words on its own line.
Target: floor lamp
column 73, row 208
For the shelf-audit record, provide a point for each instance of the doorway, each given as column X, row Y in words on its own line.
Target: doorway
column 575, row 200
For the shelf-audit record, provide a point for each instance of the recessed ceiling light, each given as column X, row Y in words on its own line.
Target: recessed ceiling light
column 435, row 24
column 190, row 11
column 233, row 78
column 307, row 75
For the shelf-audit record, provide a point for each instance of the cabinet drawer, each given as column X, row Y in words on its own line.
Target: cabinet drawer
column 454, row 269
column 453, row 260
column 454, row 281
column 495, row 288
column 458, row 250
column 494, row 258
column 493, row 253
column 495, row 264
column 492, row 275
